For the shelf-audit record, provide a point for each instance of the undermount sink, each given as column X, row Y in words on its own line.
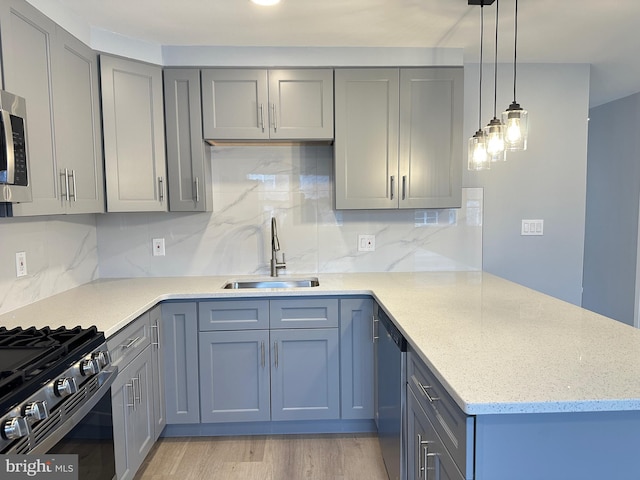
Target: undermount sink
column 274, row 283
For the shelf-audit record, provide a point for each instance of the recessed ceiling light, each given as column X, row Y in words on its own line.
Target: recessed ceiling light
column 265, row 2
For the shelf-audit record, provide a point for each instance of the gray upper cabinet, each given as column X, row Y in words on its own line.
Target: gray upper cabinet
column 188, row 165
column 430, row 161
column 249, row 104
column 133, row 123
column 366, row 143
column 57, row 75
column 77, row 125
column 398, row 138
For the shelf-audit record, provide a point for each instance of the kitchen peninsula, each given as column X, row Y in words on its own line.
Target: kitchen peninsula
column 552, row 388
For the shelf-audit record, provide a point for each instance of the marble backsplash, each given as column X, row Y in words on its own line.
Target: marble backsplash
column 293, row 183
column 61, row 253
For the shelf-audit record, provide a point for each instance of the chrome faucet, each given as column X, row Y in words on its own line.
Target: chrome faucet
column 275, row 247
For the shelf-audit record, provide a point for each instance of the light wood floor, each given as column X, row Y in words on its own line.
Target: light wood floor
column 277, row 457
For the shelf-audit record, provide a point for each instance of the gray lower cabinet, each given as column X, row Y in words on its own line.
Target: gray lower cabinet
column 256, row 104
column 157, row 365
column 356, row 358
column 234, row 380
column 188, row 162
column 398, row 141
column 133, row 128
column 180, row 354
column 58, row 76
column 260, row 371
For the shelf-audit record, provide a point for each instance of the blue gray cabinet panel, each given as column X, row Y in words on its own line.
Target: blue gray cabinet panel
column 180, row 345
column 305, row 383
column 234, row 376
column 356, row 358
column 233, row 315
column 304, row 313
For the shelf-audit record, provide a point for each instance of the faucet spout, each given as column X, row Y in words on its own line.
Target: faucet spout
column 275, row 248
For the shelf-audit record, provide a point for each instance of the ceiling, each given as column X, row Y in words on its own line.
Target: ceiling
column 603, row 34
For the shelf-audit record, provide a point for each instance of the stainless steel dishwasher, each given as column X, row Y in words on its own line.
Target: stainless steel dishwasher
column 391, row 352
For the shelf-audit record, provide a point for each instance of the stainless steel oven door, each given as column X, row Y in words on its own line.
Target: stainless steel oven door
column 88, row 433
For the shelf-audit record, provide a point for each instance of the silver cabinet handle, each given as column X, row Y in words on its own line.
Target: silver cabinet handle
column 131, row 399
column 161, row 189
column 262, row 354
column 64, row 182
column 275, row 349
column 422, row 471
column 155, row 335
column 404, row 187
column 424, row 389
column 138, row 383
column 262, row 116
column 374, row 325
column 275, row 118
column 73, row 177
column 436, row 467
column 197, row 190
column 131, row 343
column 393, row 185
column 135, row 383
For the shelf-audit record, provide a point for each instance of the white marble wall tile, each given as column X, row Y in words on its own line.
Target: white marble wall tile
column 293, row 183
column 61, row 254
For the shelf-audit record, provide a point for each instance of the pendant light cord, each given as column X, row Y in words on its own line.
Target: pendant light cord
column 495, row 65
column 481, row 48
column 515, row 51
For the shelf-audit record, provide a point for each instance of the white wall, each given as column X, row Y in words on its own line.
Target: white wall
column 547, row 181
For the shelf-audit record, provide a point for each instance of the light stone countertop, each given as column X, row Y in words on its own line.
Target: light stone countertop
column 496, row 346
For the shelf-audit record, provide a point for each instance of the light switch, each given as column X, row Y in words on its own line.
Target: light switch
column 532, row 227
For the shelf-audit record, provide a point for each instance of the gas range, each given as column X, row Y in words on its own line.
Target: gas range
column 48, row 381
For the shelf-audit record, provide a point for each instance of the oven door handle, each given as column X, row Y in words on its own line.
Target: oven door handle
column 107, row 377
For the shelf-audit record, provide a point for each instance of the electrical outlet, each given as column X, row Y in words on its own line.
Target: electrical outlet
column 158, row 247
column 532, row 227
column 21, row 264
column 366, row 243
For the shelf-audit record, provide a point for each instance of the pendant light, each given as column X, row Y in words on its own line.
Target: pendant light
column 477, row 152
column 515, row 117
column 494, row 131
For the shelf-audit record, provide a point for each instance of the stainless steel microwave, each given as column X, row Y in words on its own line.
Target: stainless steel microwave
column 15, row 185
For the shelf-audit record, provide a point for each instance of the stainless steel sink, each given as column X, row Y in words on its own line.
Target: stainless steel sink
column 274, row 283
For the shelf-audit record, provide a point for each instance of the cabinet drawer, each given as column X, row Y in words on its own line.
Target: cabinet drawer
column 125, row 345
column 233, row 315
column 304, row 313
column 454, row 427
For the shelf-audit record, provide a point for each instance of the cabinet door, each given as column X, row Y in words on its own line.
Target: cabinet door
column 305, row 378
column 133, row 123
column 366, row 141
column 188, row 167
column 180, row 345
column 132, row 406
column 157, row 365
column 77, row 124
column 356, row 358
column 301, row 104
column 303, row 313
column 235, row 104
column 431, row 112
column 27, row 39
column 234, row 376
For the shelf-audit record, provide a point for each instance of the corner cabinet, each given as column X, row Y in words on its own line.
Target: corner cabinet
column 188, row 165
column 251, row 104
column 398, row 140
column 133, row 124
column 58, row 75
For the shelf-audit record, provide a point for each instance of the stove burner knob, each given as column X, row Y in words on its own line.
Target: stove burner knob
column 89, row 367
column 64, row 387
column 15, row 427
column 103, row 358
column 36, row 410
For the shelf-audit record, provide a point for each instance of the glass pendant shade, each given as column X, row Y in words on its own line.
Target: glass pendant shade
column 478, row 158
column 516, row 123
column 494, row 138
